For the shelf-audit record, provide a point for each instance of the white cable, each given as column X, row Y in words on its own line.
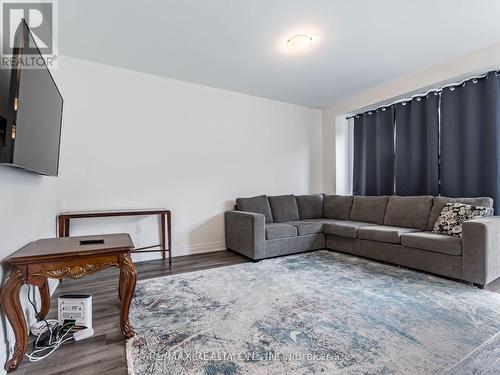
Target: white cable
column 40, row 327
column 35, row 356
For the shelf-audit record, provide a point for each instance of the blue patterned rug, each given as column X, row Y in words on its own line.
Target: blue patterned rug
column 313, row 313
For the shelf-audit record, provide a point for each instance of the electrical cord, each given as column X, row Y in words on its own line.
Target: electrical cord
column 37, row 314
column 43, row 326
column 56, row 335
column 43, row 351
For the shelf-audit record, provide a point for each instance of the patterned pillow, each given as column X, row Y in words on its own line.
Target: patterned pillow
column 453, row 216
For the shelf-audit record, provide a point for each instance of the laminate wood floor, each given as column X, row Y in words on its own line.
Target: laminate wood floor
column 104, row 353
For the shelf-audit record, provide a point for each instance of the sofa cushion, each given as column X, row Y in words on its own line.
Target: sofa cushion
column 284, row 208
column 258, row 204
column 276, row 231
column 438, row 243
column 323, row 220
column 310, row 206
column 383, row 233
column 337, row 207
column 409, row 212
column 369, row 209
column 307, row 227
column 440, row 202
column 342, row 228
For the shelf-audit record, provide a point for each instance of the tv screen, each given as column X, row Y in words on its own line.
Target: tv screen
column 35, row 114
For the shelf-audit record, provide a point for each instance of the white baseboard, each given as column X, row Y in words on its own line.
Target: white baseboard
column 183, row 250
column 199, row 249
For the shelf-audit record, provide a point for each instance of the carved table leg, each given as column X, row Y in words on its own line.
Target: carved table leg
column 128, row 277
column 45, row 297
column 9, row 298
column 120, row 286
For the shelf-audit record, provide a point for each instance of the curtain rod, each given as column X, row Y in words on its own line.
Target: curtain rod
column 435, row 91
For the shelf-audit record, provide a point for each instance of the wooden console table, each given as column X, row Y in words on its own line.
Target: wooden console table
column 165, row 218
column 59, row 258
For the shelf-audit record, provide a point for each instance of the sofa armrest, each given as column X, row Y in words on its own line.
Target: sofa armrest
column 481, row 249
column 245, row 233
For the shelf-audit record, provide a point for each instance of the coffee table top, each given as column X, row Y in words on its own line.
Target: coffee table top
column 71, row 246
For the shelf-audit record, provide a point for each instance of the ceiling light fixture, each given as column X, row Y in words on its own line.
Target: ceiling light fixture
column 299, row 43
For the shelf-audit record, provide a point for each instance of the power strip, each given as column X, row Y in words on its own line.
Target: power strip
column 83, row 334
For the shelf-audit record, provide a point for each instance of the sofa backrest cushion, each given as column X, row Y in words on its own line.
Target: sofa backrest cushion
column 284, row 208
column 369, row 209
column 337, row 207
column 408, row 212
column 310, row 206
column 440, row 202
column 258, row 204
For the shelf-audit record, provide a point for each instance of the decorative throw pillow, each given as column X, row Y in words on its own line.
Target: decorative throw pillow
column 453, row 216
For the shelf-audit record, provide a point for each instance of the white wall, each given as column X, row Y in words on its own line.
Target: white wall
column 134, row 140
column 344, row 149
column 477, row 62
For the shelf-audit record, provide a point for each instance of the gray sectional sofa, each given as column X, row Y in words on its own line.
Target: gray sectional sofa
column 392, row 229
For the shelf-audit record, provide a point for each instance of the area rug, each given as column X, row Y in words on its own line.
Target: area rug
column 314, row 313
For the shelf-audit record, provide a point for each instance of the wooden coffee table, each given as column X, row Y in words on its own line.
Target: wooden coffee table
column 59, row 258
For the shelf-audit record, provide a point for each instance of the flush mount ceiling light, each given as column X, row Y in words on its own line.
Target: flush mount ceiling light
column 299, row 42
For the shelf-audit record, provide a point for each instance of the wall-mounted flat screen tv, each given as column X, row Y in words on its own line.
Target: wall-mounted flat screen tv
column 30, row 131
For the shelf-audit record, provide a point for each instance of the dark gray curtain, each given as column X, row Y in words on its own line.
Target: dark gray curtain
column 374, row 153
column 470, row 139
column 417, row 146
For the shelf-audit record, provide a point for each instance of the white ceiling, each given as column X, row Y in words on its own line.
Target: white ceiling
column 239, row 44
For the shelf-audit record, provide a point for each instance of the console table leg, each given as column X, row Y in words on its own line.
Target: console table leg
column 162, row 221
column 128, row 277
column 66, row 228
column 169, row 234
column 45, row 298
column 9, row 298
column 60, row 222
